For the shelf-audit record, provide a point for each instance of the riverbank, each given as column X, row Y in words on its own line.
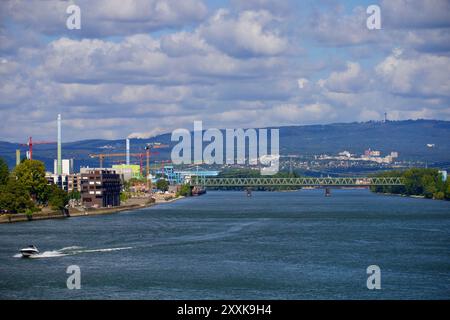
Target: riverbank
column 402, row 195
column 407, row 196
column 131, row 204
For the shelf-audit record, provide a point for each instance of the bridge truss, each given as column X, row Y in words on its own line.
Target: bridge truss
column 299, row 182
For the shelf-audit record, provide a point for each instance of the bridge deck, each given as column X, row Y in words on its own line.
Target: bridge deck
column 301, row 182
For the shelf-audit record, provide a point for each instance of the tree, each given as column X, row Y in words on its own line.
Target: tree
column 4, row 172
column 74, row 195
column 162, row 185
column 14, row 197
column 124, row 196
column 31, row 174
column 447, row 189
column 185, row 190
column 418, row 181
column 58, row 198
column 429, row 186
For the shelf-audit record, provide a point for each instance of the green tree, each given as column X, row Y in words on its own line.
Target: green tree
column 446, row 189
column 418, row 181
column 4, row 172
column 124, row 196
column 58, row 198
column 14, row 197
column 162, row 185
column 74, row 195
column 31, row 174
column 428, row 185
column 185, row 190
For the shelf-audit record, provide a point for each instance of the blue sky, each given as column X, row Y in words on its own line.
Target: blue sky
column 143, row 67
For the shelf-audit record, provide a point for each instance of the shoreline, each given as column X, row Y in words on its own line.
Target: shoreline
column 73, row 213
column 412, row 196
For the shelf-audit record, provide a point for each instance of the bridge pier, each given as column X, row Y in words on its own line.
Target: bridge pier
column 327, row 192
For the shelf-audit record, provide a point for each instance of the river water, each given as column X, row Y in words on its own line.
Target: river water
column 224, row 245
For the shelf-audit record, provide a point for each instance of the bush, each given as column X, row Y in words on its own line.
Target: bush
column 124, row 196
column 162, row 185
column 439, row 195
column 185, row 191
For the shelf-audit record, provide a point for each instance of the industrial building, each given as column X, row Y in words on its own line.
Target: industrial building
column 179, row 177
column 128, row 171
column 100, row 188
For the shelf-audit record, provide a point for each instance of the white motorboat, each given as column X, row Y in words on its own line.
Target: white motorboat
column 29, row 251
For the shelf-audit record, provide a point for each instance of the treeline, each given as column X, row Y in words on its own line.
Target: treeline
column 418, row 182
column 26, row 190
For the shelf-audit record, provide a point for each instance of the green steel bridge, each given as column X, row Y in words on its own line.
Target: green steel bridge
column 298, row 182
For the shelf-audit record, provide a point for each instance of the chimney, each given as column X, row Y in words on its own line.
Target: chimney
column 59, row 164
column 128, row 152
column 17, row 157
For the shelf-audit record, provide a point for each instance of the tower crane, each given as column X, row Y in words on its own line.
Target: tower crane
column 148, row 147
column 30, row 144
column 102, row 156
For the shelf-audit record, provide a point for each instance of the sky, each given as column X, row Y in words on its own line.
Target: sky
column 145, row 67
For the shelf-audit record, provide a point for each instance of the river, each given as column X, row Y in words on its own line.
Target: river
column 224, row 245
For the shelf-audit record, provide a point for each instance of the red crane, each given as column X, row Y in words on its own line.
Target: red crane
column 30, row 144
column 162, row 164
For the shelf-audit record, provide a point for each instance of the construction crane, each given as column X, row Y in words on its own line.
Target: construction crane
column 102, row 156
column 161, row 165
column 148, row 147
column 30, row 144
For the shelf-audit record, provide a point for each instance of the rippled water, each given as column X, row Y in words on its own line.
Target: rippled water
column 291, row 245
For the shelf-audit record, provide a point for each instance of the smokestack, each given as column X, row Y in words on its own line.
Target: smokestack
column 17, row 157
column 59, row 163
column 128, row 152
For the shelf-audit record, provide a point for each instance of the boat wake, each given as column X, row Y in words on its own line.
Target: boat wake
column 70, row 251
column 187, row 239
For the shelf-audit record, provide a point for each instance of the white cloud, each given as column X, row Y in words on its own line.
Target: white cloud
column 248, row 34
column 350, row 80
column 105, row 17
column 422, row 74
column 236, row 67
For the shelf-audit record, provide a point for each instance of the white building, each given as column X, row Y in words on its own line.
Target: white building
column 67, row 166
column 443, row 175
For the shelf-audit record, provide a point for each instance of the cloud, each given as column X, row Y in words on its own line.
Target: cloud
column 105, row 17
column 337, row 28
column 279, row 7
column 248, row 34
column 350, row 80
column 421, row 74
column 146, row 67
column 415, row 13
